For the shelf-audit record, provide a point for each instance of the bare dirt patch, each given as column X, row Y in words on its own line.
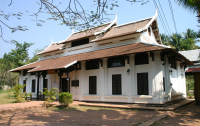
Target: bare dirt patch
column 77, row 116
column 186, row 116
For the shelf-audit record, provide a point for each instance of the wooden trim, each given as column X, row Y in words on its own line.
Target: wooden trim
column 105, row 43
column 127, row 39
column 58, row 53
column 146, row 39
column 80, row 49
column 47, row 55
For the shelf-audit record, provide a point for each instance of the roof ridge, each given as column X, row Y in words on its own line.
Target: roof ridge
column 132, row 22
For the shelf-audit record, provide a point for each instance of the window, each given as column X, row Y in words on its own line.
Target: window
column 141, row 58
column 92, row 64
column 173, row 63
column 92, row 85
column 163, row 83
column 149, row 31
column 33, row 73
column 24, row 72
column 118, row 61
column 33, row 86
column 142, row 84
column 152, row 55
column 24, row 82
column 162, row 56
column 80, row 42
column 116, row 84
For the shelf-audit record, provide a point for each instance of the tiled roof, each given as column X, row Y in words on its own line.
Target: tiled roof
column 193, row 70
column 51, row 48
column 87, row 33
column 192, row 55
column 60, row 62
column 124, row 29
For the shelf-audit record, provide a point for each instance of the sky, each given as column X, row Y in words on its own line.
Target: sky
column 41, row 36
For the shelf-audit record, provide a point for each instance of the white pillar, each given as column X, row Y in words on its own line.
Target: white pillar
column 81, row 80
column 105, row 66
column 102, row 80
column 129, row 86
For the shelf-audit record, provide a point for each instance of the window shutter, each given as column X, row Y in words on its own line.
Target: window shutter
column 92, row 85
column 142, row 84
column 116, row 84
column 33, row 86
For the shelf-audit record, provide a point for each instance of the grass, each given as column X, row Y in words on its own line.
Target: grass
column 6, row 97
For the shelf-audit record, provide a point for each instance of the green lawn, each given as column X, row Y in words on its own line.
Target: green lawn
column 6, row 97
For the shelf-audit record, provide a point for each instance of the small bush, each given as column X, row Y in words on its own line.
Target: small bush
column 50, row 96
column 65, row 98
column 18, row 92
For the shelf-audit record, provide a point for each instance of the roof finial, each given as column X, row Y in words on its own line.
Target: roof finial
column 51, row 41
column 116, row 16
column 157, row 11
column 72, row 30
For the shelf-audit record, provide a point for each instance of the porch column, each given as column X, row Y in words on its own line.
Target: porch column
column 60, row 81
column 38, row 76
column 44, row 75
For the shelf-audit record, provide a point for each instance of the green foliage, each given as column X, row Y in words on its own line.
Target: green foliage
column 16, row 58
column 179, row 42
column 192, row 5
column 189, row 84
column 50, row 96
column 18, row 92
column 65, row 98
column 19, row 55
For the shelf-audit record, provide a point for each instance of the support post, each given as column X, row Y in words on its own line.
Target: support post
column 43, row 75
column 38, row 76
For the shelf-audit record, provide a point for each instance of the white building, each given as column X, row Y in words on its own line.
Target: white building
column 110, row 63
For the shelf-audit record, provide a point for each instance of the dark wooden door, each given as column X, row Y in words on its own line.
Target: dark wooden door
column 116, row 84
column 142, row 83
column 92, row 85
column 65, row 85
column 24, row 82
column 45, row 84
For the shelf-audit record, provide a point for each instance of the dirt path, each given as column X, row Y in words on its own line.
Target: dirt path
column 82, row 116
column 186, row 116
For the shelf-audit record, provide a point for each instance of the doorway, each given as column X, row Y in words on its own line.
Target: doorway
column 65, row 85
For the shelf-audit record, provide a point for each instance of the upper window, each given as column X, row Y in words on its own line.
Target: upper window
column 92, row 64
column 173, row 63
column 149, row 31
column 80, row 42
column 116, row 61
column 24, row 72
column 141, row 58
column 33, row 73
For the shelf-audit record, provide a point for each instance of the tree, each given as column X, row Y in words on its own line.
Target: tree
column 191, row 5
column 173, row 41
column 16, row 58
column 70, row 13
column 19, row 55
column 7, row 78
column 186, row 41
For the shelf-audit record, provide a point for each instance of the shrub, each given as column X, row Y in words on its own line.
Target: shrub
column 65, row 98
column 18, row 92
column 50, row 96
